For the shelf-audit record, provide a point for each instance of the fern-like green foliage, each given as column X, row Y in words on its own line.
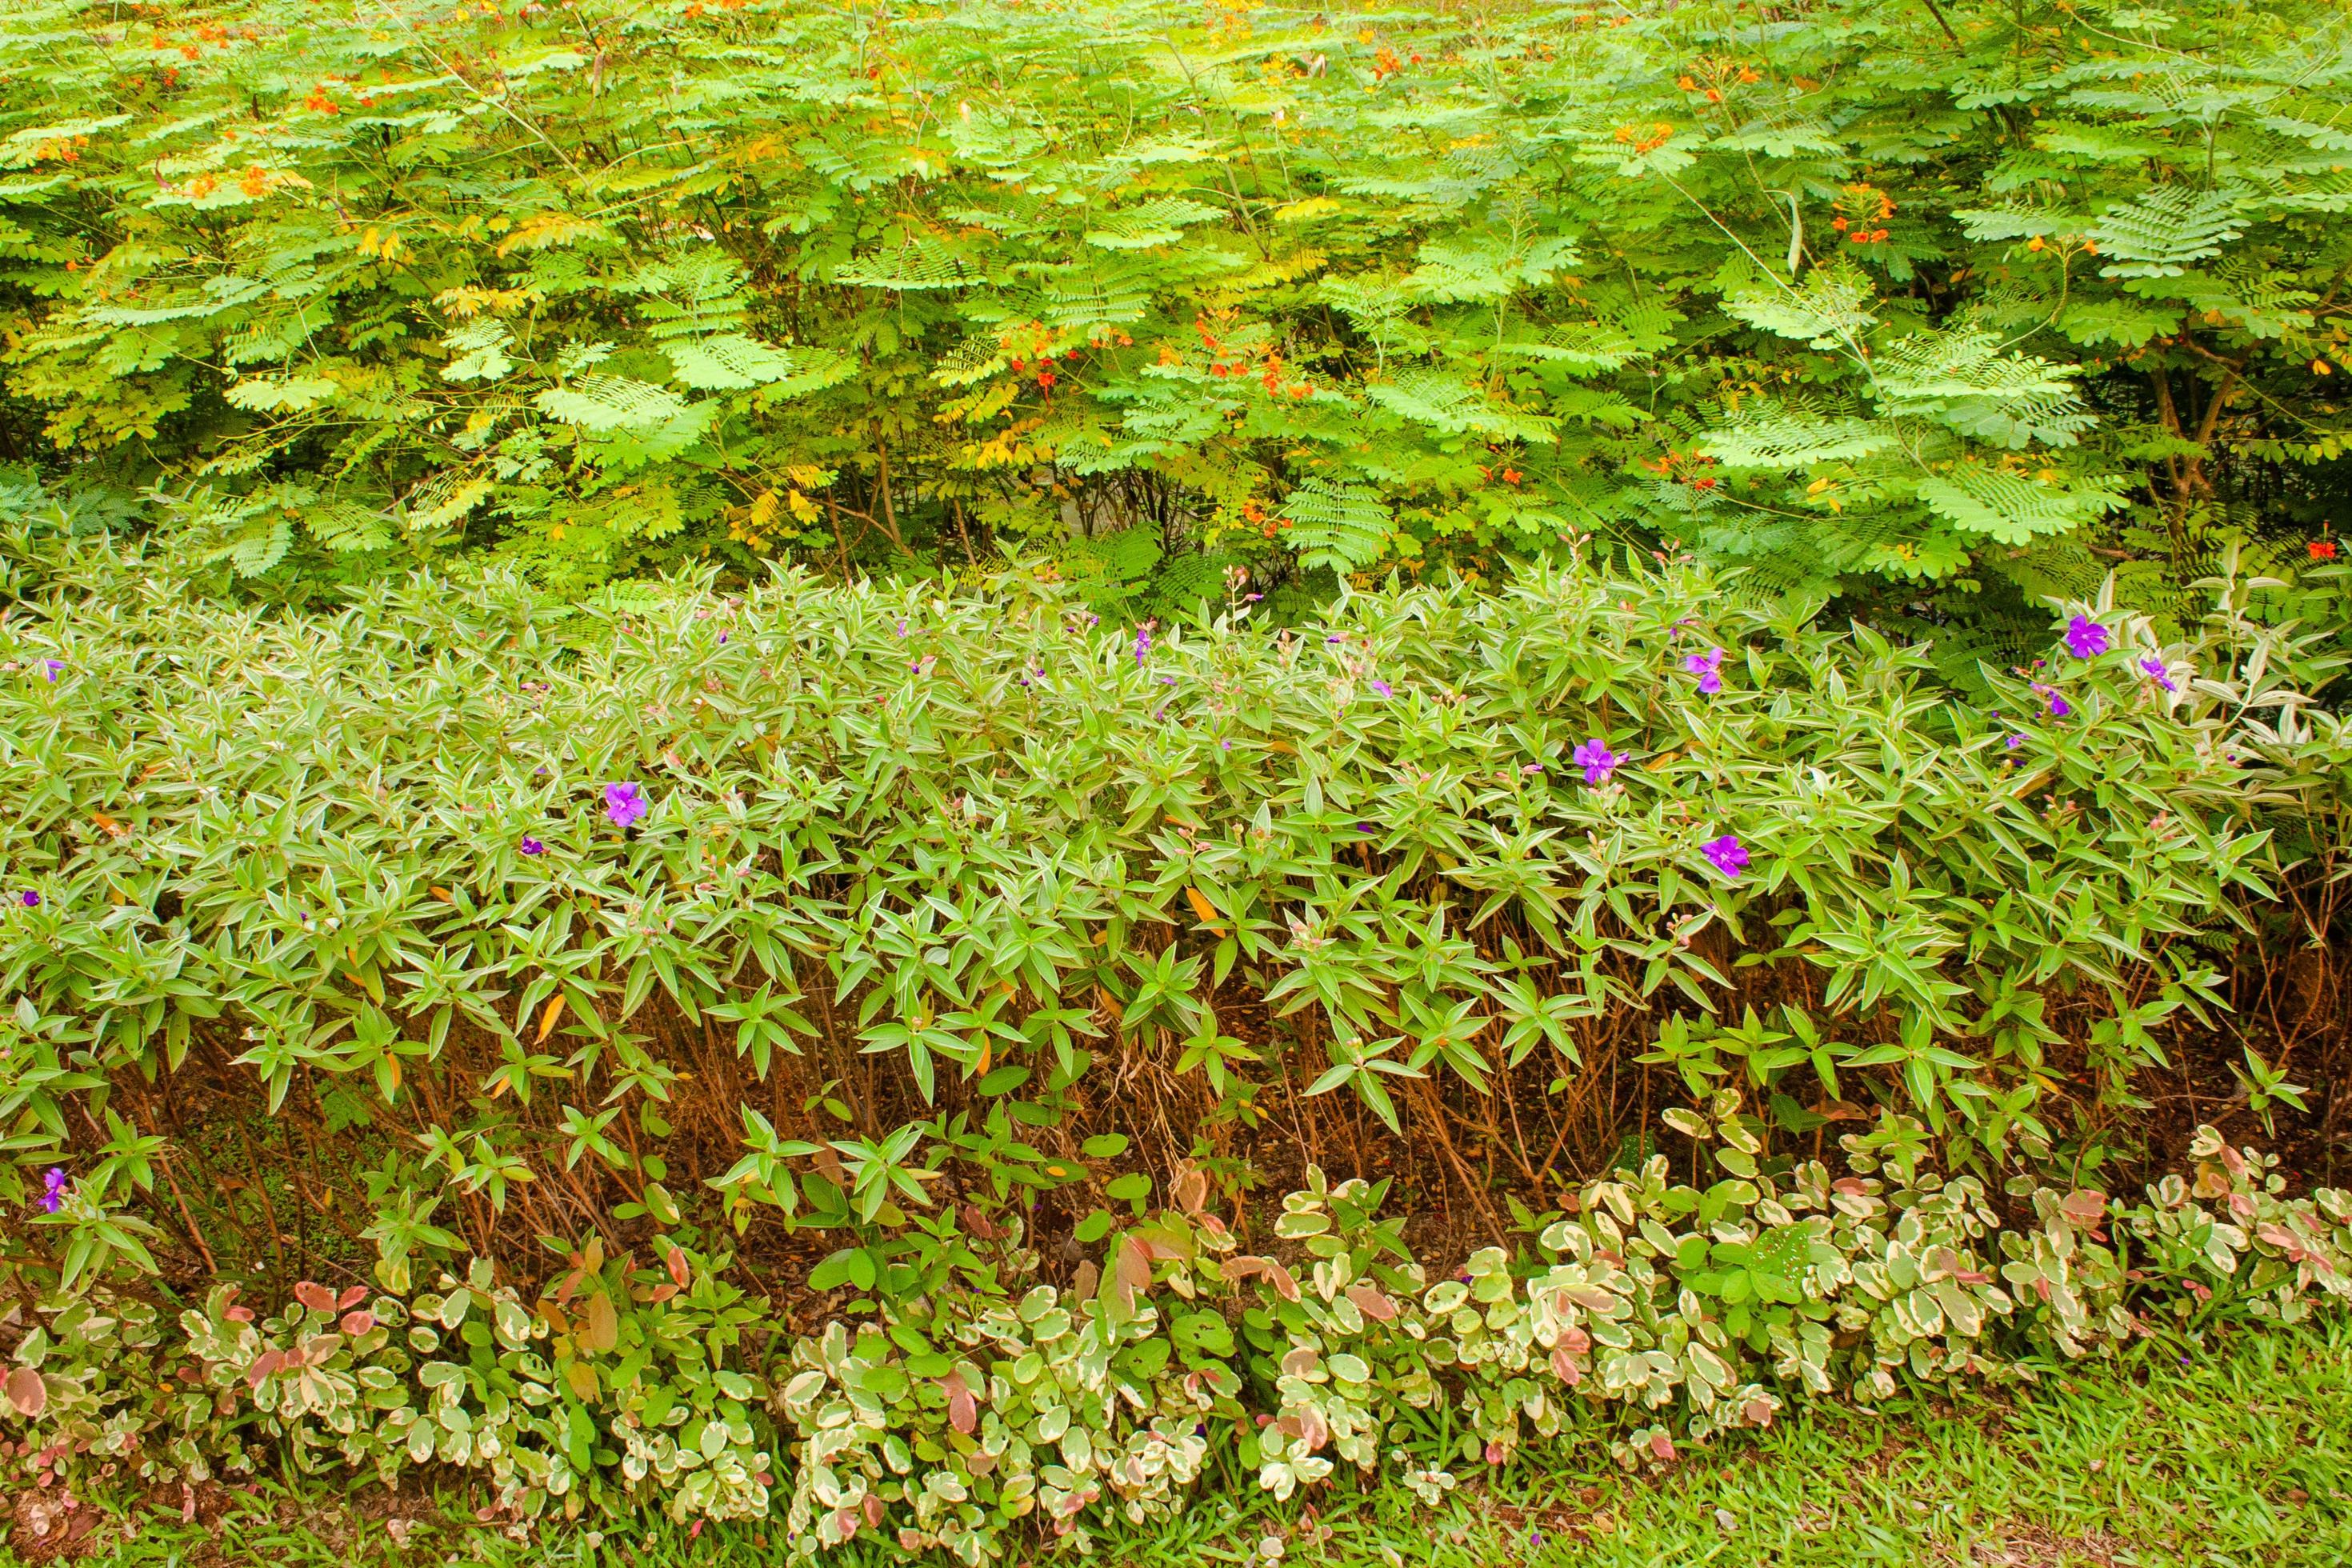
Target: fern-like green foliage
column 1871, row 303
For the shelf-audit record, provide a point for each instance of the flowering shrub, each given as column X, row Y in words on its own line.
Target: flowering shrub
column 1648, row 1315
column 673, row 914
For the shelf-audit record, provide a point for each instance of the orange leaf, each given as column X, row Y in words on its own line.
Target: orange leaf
column 547, row 1019
column 445, row 895
column 1201, row 906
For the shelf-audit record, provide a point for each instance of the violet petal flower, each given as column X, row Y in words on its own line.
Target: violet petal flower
column 2154, row 669
column 1596, row 759
column 1726, row 855
column 29, row 898
column 531, row 846
column 624, row 803
column 50, row 668
column 2060, row 708
column 2086, row 638
column 2015, row 742
column 53, row 1190
column 1705, row 666
column 1383, row 688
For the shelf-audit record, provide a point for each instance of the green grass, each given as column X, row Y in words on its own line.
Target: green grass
column 2241, row 1455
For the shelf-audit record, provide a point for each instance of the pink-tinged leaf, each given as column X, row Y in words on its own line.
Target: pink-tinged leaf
column 874, row 1510
column 27, row 1394
column 238, row 1314
column 1494, row 1453
column 1372, row 1304
column 357, row 1323
column 2085, row 1208
column 1134, row 1265
column 845, row 1520
column 1564, row 1367
column 1576, row 1341
column 1191, row 1191
column 676, row 1262
column 963, row 1410
column 1313, row 1430
column 1760, row 1412
column 1239, row 1268
column 1301, row 1360
column 1663, row 1446
column 316, row 1296
column 351, row 1298
column 265, row 1365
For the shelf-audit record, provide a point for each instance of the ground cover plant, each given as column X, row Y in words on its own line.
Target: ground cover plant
column 2233, row 1454
column 832, row 1051
column 1946, row 307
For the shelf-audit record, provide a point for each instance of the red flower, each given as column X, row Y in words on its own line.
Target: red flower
column 2322, row 550
column 1045, row 379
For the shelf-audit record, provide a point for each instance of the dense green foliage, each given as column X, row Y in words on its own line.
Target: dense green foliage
column 1949, row 306
column 1651, row 1313
column 840, row 903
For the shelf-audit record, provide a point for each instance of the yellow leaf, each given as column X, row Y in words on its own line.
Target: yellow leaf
column 547, row 1019
column 1201, row 906
column 445, row 895
column 603, row 1330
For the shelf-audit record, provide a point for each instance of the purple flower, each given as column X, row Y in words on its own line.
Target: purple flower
column 902, row 628
column 1383, row 688
column 2015, row 742
column 1167, row 680
column 50, row 667
column 1596, row 759
column 53, row 1190
column 29, row 898
column 2154, row 669
column 723, row 638
column 1726, row 855
column 1705, row 666
column 2059, row 707
column 1368, row 828
column 1143, row 641
column 623, row 802
column 2086, row 638
column 531, row 846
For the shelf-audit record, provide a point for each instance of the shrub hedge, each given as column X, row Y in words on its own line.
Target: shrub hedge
column 865, row 915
